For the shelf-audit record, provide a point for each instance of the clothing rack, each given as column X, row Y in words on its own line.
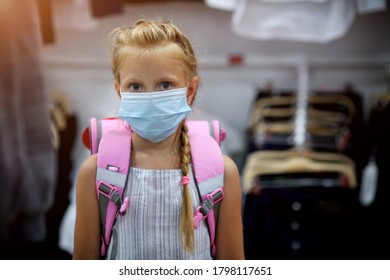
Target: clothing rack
column 302, row 101
column 258, row 69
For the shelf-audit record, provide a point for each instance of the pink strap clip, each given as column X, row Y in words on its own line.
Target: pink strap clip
column 198, row 217
column 185, row 180
column 124, row 206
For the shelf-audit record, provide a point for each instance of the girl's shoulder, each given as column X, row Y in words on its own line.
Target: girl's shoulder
column 230, row 166
column 88, row 167
column 232, row 181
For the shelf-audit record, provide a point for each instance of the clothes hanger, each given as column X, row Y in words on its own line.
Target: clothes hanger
column 297, row 160
column 323, row 129
column 329, row 116
column 305, row 152
column 274, row 101
column 269, row 102
column 265, row 107
column 267, row 139
column 299, row 164
column 328, row 180
column 279, row 127
column 341, row 99
column 287, row 127
column 270, row 113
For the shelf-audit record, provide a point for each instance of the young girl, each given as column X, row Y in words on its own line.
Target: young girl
column 154, row 63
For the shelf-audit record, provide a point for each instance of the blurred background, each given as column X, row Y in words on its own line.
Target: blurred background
column 302, row 89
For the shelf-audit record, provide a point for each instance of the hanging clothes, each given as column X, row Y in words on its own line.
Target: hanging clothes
column 27, row 157
column 304, row 21
column 301, row 201
column 375, row 207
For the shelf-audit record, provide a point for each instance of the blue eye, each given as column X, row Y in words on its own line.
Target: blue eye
column 135, row 87
column 165, row 85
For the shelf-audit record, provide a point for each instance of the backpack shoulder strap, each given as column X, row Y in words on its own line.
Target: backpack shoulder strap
column 112, row 170
column 206, row 156
column 210, row 128
column 208, row 167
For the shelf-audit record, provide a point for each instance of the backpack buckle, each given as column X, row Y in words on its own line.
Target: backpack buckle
column 105, row 189
column 110, row 192
column 207, row 205
column 199, row 216
column 216, row 196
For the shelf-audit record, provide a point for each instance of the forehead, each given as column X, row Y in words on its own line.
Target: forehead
column 151, row 63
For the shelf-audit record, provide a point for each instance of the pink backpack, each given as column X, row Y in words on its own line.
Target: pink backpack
column 105, row 135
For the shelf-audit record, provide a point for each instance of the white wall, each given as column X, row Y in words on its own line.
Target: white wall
column 78, row 66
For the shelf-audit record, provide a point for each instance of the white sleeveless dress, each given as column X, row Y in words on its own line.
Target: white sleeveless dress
column 150, row 228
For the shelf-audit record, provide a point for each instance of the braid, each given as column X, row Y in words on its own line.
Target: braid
column 187, row 216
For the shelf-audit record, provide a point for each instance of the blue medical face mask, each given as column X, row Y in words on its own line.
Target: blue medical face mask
column 154, row 115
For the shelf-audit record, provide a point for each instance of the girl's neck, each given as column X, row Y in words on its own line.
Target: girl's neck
column 162, row 155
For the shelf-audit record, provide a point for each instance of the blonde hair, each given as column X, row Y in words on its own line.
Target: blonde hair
column 163, row 38
column 146, row 37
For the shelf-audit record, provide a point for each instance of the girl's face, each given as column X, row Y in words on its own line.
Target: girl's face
column 154, row 73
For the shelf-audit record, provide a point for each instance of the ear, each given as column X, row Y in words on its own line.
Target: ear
column 191, row 90
column 117, row 88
